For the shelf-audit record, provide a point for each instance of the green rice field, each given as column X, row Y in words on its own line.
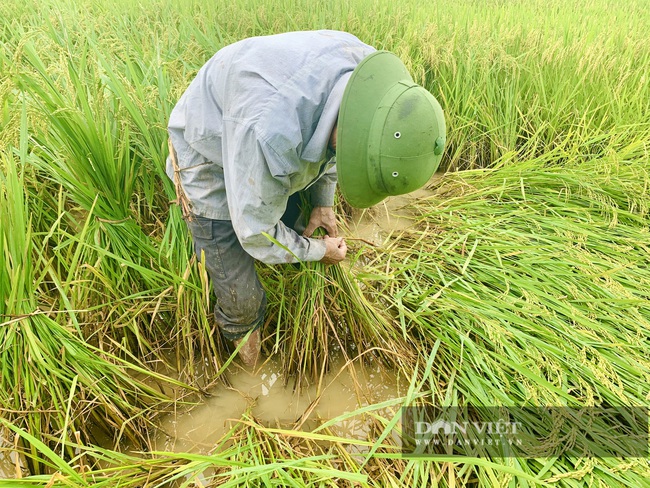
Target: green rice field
column 522, row 278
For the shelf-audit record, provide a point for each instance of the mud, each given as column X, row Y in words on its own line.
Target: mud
column 263, row 395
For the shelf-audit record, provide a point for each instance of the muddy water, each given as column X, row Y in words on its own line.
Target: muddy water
column 265, row 397
column 388, row 218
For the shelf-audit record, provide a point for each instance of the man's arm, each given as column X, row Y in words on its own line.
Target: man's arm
column 257, row 200
column 321, row 195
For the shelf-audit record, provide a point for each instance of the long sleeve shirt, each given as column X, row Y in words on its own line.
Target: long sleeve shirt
column 253, row 128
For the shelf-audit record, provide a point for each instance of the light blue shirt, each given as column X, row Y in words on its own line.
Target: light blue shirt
column 253, row 128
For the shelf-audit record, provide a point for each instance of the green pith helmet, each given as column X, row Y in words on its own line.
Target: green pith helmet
column 391, row 132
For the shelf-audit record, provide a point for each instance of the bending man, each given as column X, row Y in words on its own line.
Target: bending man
column 269, row 118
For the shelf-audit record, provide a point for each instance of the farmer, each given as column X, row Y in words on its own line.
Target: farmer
column 260, row 125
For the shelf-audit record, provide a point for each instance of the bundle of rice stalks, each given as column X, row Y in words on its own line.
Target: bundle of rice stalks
column 87, row 150
column 89, row 142
column 318, row 310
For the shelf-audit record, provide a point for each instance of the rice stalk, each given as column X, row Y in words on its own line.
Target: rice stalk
column 532, row 279
column 53, row 382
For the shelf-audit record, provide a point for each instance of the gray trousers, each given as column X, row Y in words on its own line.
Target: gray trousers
column 241, row 299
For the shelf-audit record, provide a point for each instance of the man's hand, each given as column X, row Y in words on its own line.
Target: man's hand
column 335, row 251
column 321, row 217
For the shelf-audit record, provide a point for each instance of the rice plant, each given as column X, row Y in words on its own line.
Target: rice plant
column 321, row 311
column 523, row 279
column 530, row 276
column 53, row 382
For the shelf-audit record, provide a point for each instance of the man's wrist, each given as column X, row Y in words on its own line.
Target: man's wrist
column 317, row 249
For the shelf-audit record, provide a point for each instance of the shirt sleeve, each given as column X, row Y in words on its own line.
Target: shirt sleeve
column 258, row 191
column 323, row 190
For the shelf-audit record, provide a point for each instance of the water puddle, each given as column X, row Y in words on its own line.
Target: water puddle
column 263, row 393
column 392, row 216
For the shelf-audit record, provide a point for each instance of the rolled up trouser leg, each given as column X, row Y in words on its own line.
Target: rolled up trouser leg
column 241, row 300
